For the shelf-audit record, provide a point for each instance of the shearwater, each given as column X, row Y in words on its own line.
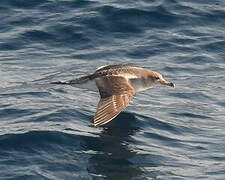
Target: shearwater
column 116, row 85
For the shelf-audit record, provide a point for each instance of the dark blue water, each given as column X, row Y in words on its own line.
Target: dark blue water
column 46, row 131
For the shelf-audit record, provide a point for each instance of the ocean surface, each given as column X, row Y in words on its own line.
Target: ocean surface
column 46, row 130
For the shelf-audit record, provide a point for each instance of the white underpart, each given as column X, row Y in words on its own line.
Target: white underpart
column 139, row 85
column 89, row 85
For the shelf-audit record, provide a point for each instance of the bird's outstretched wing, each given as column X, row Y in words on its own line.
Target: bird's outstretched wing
column 116, row 93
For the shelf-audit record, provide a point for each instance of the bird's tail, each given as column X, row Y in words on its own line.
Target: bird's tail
column 86, row 82
column 60, row 82
column 79, row 80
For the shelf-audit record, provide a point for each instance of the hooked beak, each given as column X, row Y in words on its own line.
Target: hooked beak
column 167, row 83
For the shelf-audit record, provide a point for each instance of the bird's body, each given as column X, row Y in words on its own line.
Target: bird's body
column 116, row 85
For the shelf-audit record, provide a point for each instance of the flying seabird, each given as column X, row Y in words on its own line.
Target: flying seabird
column 116, row 84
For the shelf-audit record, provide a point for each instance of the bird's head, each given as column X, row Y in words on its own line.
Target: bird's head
column 156, row 78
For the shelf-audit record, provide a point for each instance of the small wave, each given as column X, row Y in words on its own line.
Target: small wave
column 216, row 46
column 11, row 114
column 35, row 140
column 157, row 124
column 196, row 96
column 191, row 115
column 23, row 4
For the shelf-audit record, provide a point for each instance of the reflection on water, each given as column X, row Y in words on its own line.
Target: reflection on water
column 114, row 158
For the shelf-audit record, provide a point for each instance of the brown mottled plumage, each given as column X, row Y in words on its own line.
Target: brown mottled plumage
column 116, row 84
